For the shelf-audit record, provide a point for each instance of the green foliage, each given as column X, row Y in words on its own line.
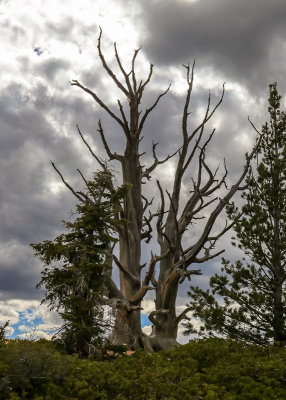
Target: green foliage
column 253, row 292
column 205, row 369
column 2, row 330
column 76, row 273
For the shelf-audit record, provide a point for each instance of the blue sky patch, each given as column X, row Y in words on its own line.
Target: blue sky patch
column 38, row 51
column 25, row 318
column 145, row 320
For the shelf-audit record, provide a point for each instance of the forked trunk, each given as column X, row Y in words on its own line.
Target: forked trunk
column 140, row 217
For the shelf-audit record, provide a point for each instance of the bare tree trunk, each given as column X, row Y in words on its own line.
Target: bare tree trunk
column 171, row 227
column 130, row 246
column 164, row 319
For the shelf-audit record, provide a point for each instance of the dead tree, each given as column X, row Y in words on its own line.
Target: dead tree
column 173, row 218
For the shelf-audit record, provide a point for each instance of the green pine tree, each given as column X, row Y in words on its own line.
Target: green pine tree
column 253, row 304
column 76, row 274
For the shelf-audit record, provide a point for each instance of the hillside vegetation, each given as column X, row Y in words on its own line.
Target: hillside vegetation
column 205, row 369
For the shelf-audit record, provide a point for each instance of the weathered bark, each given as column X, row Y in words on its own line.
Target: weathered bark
column 171, row 227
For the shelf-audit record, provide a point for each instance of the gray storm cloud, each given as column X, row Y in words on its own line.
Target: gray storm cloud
column 241, row 40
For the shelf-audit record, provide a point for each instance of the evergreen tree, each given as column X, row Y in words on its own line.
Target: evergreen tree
column 253, row 290
column 76, row 274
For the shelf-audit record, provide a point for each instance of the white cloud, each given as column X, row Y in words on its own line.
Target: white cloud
column 8, row 313
column 147, row 330
column 148, row 306
column 25, row 316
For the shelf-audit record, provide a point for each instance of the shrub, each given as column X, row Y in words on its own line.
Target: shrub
column 207, row 369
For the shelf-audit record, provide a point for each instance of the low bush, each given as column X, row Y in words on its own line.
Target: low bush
column 205, row 369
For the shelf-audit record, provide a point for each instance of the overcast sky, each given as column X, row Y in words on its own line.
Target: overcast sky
column 47, row 43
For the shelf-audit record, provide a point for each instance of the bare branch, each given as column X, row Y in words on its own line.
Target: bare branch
column 142, row 86
column 178, row 237
column 113, row 292
column 189, row 212
column 182, row 162
column 130, row 277
column 149, row 274
column 187, row 102
column 191, row 256
column 187, row 274
column 81, row 174
column 131, row 308
column 254, row 127
column 109, row 71
column 244, row 187
column 112, row 156
column 142, row 266
column 101, row 163
column 147, row 222
column 133, row 69
column 147, row 234
column 227, row 228
column 147, row 202
column 84, row 195
column 147, row 112
column 141, row 293
column 126, row 130
column 161, row 215
column 146, row 173
column 99, row 101
column 183, row 315
column 76, row 194
column 208, row 256
column 219, row 184
column 208, row 115
column 126, row 76
column 196, row 146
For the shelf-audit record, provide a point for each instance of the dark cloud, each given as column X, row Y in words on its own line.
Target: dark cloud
column 241, row 40
column 19, row 272
column 29, row 210
column 18, row 282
